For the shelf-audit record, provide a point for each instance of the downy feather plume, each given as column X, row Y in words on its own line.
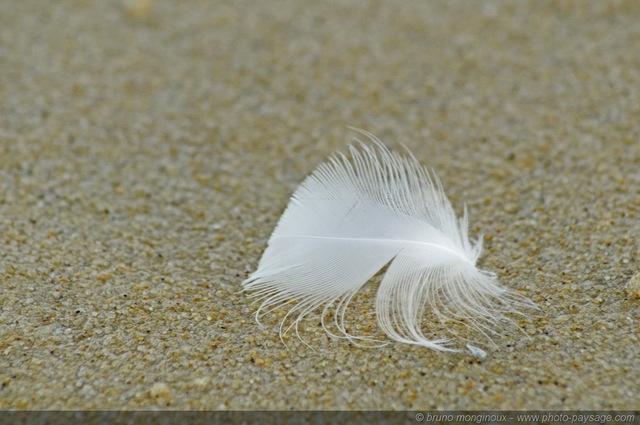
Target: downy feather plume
column 352, row 217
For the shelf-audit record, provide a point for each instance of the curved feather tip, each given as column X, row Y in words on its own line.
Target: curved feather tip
column 353, row 216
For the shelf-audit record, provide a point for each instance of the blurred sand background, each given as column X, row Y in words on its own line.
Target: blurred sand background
column 148, row 148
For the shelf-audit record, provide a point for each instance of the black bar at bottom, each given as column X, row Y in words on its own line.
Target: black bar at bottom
column 15, row 417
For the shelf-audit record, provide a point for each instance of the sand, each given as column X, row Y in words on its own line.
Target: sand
column 148, row 148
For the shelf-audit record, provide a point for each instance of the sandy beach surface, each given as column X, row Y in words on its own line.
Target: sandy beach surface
column 148, row 148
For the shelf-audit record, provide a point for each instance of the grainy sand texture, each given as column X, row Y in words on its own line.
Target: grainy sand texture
column 148, row 148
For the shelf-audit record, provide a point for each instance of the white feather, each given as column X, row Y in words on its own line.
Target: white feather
column 349, row 219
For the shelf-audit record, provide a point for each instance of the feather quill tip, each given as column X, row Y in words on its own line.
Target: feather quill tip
column 355, row 215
